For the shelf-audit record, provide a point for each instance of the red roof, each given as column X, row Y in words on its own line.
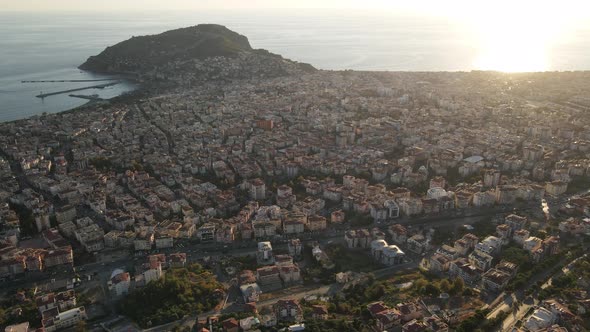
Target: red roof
column 376, row 307
column 230, row 323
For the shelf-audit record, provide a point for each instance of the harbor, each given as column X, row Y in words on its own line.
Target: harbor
column 100, row 86
column 93, row 97
column 69, row 81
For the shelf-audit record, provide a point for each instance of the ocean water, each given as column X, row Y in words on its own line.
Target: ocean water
column 50, row 46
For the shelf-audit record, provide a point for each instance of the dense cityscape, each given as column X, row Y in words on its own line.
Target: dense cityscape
column 252, row 193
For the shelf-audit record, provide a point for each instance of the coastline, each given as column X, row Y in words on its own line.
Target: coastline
column 124, row 97
column 132, row 89
column 142, row 89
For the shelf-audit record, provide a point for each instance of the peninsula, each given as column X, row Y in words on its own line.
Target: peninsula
column 197, row 53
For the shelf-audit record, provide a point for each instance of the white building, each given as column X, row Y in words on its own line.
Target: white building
column 65, row 319
column 119, row 282
column 392, row 208
column 264, row 254
column 257, row 189
column 540, row 319
column 153, row 274
column 436, row 193
column 386, row 254
column 22, row 327
column 250, row 292
column 490, row 245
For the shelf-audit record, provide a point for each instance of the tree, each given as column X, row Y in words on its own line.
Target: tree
column 445, row 286
column 3, row 318
column 375, row 292
column 458, row 286
column 419, row 284
column 81, row 326
column 179, row 292
column 468, row 292
column 431, row 290
column 180, row 328
column 516, row 255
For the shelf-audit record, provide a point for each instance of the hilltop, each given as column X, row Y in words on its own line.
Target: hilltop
column 199, row 52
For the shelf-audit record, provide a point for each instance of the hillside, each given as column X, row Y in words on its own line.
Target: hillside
column 190, row 51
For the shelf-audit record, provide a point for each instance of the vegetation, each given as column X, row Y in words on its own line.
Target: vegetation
column 566, row 285
column 243, row 262
column 478, row 322
column 473, row 322
column 334, row 322
column 442, row 235
column 350, row 260
column 27, row 220
column 343, row 260
column 15, row 312
column 352, row 300
column 517, row 256
column 359, row 220
column 526, row 272
column 143, row 53
column 335, row 325
column 189, row 290
column 578, row 184
column 101, row 163
column 484, row 228
column 202, row 41
column 434, row 288
column 81, row 326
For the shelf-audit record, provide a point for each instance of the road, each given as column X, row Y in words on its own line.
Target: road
column 531, row 301
column 197, row 252
column 108, row 261
column 519, row 295
column 517, row 315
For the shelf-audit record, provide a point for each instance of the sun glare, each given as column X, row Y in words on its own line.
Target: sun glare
column 518, row 36
column 514, row 45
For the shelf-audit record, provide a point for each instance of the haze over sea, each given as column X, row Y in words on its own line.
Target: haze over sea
column 45, row 46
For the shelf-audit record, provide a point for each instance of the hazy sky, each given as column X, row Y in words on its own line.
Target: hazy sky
column 411, row 5
column 200, row 4
column 452, row 8
column 509, row 35
column 197, row 4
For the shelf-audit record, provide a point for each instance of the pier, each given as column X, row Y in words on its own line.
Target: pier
column 100, row 86
column 70, row 81
column 88, row 97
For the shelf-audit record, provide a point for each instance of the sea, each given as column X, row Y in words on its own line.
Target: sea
column 51, row 45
